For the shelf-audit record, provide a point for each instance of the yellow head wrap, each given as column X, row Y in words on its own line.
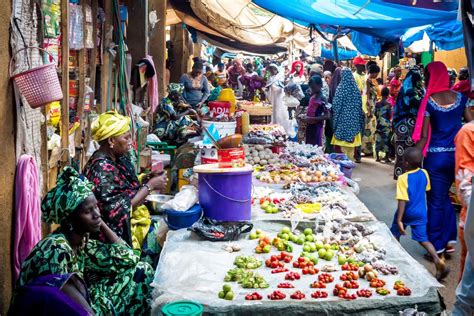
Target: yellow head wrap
column 110, row 124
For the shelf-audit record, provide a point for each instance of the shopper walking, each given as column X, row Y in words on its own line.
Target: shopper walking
column 317, row 113
column 368, row 138
column 275, row 92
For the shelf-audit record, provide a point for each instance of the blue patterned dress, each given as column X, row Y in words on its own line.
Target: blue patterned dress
column 445, row 123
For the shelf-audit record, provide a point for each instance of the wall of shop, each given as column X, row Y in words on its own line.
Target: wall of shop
column 7, row 157
column 452, row 58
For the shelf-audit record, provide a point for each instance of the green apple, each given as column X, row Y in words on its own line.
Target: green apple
column 312, row 247
column 226, row 288
column 258, row 231
column 285, row 236
column 306, row 248
column 286, row 230
column 265, row 204
column 327, row 246
column 267, row 249
column 313, row 259
column 293, row 238
column 300, row 240
column 308, row 231
column 221, row 294
column 281, row 247
column 321, row 253
column 341, row 259
column 309, row 238
column 335, row 247
column 351, row 260
column 253, row 235
column 361, row 264
column 329, row 255
column 319, row 245
column 229, row 296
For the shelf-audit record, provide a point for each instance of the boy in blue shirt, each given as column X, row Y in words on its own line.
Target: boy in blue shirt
column 412, row 210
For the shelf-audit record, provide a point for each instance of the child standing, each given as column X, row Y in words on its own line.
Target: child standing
column 412, row 210
column 383, row 132
column 316, row 113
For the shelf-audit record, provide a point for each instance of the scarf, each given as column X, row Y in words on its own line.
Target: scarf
column 276, row 79
column 464, row 87
column 109, row 124
column 439, row 82
column 348, row 116
column 293, row 68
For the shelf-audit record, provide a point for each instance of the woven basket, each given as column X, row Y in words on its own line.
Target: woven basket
column 39, row 85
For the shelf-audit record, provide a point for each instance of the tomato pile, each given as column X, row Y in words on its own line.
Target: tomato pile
column 351, row 285
column 280, row 270
column 298, row 295
column 350, row 267
column 341, row 292
column 376, row 283
column 317, row 285
column 364, row 293
column 285, row 285
column 276, row 295
column 319, row 294
column 349, row 276
column 253, row 297
column 404, row 291
column 274, row 263
column 325, row 278
column 291, row 276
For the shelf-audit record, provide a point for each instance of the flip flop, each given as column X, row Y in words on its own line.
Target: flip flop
column 442, row 274
column 450, row 249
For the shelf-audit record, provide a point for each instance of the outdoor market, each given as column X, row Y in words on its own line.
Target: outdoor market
column 244, row 157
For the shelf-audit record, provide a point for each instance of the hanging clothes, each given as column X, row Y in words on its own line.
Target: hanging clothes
column 27, row 211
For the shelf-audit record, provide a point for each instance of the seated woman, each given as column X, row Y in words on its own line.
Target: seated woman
column 117, row 281
column 196, row 86
column 117, row 188
column 174, row 122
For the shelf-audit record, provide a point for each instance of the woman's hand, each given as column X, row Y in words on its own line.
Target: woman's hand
column 158, row 182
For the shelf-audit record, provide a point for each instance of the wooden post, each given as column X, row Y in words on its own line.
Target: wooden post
column 107, row 64
column 65, row 83
column 93, row 64
column 157, row 44
column 181, row 54
column 137, row 33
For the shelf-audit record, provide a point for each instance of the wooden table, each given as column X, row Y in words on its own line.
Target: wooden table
column 258, row 112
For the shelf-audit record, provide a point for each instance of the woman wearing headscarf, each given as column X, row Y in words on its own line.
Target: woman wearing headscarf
column 328, row 128
column 438, row 121
column 251, row 83
column 234, row 72
column 196, row 86
column 395, row 85
column 348, row 117
column 297, row 72
column 116, row 184
column 117, row 282
column 317, row 113
column 275, row 94
column 174, row 121
column 404, row 116
column 292, row 97
column 220, row 75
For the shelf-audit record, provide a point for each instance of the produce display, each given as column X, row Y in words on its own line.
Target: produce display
column 258, row 155
column 244, row 103
column 226, row 293
column 266, row 134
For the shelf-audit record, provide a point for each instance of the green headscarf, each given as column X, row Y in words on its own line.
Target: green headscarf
column 176, row 87
column 70, row 191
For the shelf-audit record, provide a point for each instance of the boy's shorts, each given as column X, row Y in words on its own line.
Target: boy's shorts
column 418, row 232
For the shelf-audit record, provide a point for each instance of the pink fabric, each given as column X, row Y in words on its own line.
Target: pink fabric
column 28, row 211
column 293, row 68
column 153, row 96
column 438, row 82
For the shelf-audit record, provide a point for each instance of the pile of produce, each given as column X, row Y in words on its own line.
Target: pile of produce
column 244, row 103
column 259, row 155
column 266, row 135
column 289, row 173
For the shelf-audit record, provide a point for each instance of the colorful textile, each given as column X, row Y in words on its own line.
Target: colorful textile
column 109, row 124
column 152, row 89
column 117, row 282
column 220, row 77
column 116, row 184
column 27, row 232
column 348, row 117
column 441, row 217
column 464, row 87
column 176, row 88
column 140, row 225
column 439, row 82
column 383, row 133
column 368, row 137
column 234, row 72
column 395, row 85
column 335, row 80
column 71, row 190
column 314, row 131
column 43, row 296
column 404, row 115
column 301, row 113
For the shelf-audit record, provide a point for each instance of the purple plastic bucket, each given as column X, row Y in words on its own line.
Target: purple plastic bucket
column 225, row 194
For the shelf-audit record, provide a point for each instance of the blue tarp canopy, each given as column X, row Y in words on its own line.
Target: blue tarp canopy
column 371, row 22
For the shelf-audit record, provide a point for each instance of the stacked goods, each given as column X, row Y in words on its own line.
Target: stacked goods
column 266, row 135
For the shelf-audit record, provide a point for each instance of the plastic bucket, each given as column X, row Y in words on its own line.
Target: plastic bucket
column 225, row 194
column 182, row 308
column 224, row 128
column 219, row 107
column 177, row 220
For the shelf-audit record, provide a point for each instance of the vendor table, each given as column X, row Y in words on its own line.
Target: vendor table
column 192, row 269
column 258, row 111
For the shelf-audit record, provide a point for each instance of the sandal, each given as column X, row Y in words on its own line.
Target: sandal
column 442, row 271
column 450, row 249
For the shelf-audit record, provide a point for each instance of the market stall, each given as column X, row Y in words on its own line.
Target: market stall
column 200, row 276
column 257, row 110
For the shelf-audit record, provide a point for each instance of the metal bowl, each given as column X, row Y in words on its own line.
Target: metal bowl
column 156, row 201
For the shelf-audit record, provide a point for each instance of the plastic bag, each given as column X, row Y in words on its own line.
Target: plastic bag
column 183, row 200
column 212, row 230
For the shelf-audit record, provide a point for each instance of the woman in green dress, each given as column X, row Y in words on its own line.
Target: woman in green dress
column 117, row 282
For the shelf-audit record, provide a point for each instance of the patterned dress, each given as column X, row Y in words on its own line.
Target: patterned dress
column 368, row 138
column 116, row 184
column 118, row 283
column 383, row 133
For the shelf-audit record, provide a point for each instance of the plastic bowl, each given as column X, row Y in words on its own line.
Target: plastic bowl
column 177, row 220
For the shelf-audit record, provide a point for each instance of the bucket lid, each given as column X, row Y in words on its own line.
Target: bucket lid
column 214, row 168
column 182, row 308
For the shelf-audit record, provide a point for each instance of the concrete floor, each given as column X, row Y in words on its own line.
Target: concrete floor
column 377, row 191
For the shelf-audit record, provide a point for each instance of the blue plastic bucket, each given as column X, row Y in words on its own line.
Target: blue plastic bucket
column 225, row 194
column 177, row 220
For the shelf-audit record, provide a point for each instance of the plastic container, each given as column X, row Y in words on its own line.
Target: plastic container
column 219, row 107
column 225, row 194
column 228, row 95
column 231, row 157
column 224, row 128
column 177, row 220
column 182, row 308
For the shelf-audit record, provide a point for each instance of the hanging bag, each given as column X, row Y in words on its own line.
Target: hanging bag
column 39, row 85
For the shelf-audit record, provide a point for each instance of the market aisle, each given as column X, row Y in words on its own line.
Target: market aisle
column 377, row 191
